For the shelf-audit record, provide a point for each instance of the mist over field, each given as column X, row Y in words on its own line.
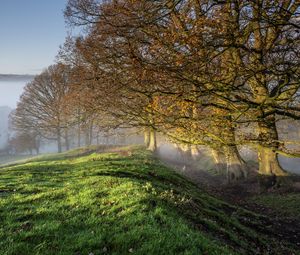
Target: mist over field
column 13, row 87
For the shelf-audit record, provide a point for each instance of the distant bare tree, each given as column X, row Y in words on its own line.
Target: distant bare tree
column 24, row 142
column 42, row 105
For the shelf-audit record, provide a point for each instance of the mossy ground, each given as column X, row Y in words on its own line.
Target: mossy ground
column 120, row 203
column 286, row 204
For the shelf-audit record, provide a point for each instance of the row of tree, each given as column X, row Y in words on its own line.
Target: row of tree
column 48, row 110
column 201, row 72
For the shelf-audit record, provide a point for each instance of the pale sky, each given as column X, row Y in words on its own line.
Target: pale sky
column 10, row 92
column 31, row 32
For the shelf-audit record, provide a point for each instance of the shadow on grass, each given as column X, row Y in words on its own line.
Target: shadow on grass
column 52, row 217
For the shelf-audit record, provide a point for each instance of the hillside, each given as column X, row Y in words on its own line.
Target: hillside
column 122, row 202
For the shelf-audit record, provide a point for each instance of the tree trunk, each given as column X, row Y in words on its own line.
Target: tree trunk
column 78, row 137
column 37, row 145
column 267, row 156
column 185, row 152
column 194, row 152
column 91, row 133
column 146, row 138
column 59, row 149
column 87, row 137
column 236, row 167
column 152, row 141
column 268, row 162
column 219, row 160
column 67, row 139
column 97, row 139
column 230, row 163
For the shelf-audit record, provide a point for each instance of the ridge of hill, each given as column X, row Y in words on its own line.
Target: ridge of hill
column 124, row 201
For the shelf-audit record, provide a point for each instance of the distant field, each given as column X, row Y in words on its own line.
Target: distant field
column 122, row 202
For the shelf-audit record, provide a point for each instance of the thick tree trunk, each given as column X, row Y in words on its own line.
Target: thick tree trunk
column 267, row 156
column 146, row 137
column 236, row 167
column 185, row 152
column 268, row 162
column 229, row 162
column 195, row 152
column 219, row 160
column 152, row 141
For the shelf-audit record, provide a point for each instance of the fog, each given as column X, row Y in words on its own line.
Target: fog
column 204, row 161
column 290, row 164
column 11, row 88
column 10, row 92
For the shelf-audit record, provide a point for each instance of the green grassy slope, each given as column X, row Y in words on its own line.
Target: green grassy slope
column 287, row 205
column 119, row 203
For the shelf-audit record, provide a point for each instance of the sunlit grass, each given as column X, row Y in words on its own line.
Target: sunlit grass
column 115, row 204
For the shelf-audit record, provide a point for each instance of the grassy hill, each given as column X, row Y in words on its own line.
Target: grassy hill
column 121, row 202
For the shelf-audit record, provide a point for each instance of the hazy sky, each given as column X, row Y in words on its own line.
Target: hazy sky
column 31, row 32
column 10, row 92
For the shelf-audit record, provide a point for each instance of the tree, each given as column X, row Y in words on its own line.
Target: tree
column 102, row 85
column 25, row 142
column 238, row 60
column 42, row 105
column 131, row 53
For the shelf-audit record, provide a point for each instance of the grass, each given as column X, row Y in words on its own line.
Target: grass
column 119, row 203
column 22, row 159
column 287, row 205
